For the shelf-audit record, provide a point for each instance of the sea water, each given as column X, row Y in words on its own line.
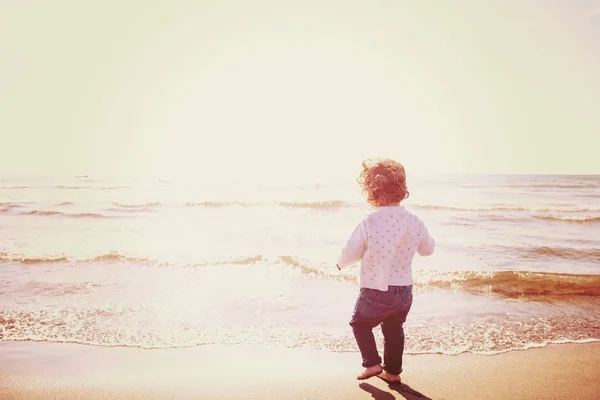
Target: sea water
column 160, row 264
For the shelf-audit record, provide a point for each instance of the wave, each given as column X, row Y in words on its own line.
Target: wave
column 527, row 184
column 417, row 339
column 48, row 213
column 112, row 256
column 573, row 219
column 516, row 284
column 150, row 204
column 72, row 187
column 63, row 214
column 583, row 219
column 217, row 204
column 242, row 261
column 323, row 205
column 235, row 261
column 492, row 209
column 65, row 187
column 322, row 270
column 319, row 205
column 114, row 187
column 446, row 208
column 115, row 256
column 489, row 218
column 513, row 284
column 119, row 257
column 566, row 186
column 589, row 195
column 11, row 205
column 15, row 187
column 20, row 259
column 127, row 326
column 573, row 184
column 568, row 253
column 7, row 208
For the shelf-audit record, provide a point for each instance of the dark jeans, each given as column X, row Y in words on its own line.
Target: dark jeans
column 390, row 308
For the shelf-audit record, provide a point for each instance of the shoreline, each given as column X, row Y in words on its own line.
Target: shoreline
column 36, row 370
column 226, row 345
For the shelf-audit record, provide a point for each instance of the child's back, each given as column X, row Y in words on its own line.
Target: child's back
column 386, row 242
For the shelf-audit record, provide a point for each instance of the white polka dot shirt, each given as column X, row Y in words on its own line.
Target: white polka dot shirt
column 385, row 243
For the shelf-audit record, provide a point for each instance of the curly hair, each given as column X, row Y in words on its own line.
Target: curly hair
column 383, row 182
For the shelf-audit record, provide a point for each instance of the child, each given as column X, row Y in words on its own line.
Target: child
column 385, row 242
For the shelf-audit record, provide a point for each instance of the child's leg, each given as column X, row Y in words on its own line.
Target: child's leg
column 363, row 333
column 393, row 336
column 393, row 339
column 370, row 311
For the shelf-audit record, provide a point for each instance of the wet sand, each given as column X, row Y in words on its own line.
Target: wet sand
column 69, row 371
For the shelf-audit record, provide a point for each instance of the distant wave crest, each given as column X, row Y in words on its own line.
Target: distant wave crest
column 580, row 215
column 587, row 185
column 119, row 257
column 11, row 205
column 68, row 215
column 243, row 261
column 114, row 187
column 217, row 204
column 572, row 219
column 234, row 261
column 150, row 204
column 22, row 259
column 580, row 219
column 112, row 256
column 115, row 256
column 73, row 187
column 8, row 207
column 491, row 209
column 319, row 205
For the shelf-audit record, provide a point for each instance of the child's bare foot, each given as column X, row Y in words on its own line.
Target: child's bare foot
column 369, row 372
column 389, row 378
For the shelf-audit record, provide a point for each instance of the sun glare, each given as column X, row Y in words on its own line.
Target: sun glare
column 306, row 93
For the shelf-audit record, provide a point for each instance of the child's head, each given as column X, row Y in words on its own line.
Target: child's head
column 383, row 182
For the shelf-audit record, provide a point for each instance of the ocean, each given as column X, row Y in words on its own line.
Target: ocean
column 169, row 264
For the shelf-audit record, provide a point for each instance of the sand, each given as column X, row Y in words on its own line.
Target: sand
column 71, row 371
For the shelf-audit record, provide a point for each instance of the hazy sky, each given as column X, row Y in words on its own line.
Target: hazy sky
column 303, row 89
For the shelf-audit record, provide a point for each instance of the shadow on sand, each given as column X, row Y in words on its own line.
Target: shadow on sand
column 403, row 389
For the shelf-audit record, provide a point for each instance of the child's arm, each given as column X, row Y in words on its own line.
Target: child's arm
column 355, row 247
column 426, row 243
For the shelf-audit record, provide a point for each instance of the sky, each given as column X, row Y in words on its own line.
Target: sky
column 298, row 90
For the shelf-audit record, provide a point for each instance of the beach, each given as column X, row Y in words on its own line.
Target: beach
column 69, row 371
column 178, row 183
